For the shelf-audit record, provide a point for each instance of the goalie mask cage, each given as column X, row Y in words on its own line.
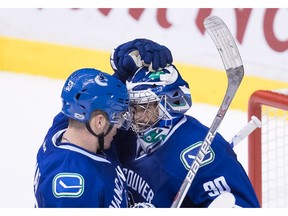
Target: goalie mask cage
column 268, row 147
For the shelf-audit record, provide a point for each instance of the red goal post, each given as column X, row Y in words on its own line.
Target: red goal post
column 268, row 147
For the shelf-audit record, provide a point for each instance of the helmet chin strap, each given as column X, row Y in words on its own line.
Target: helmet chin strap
column 99, row 136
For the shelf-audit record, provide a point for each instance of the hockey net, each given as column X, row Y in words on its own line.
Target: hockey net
column 268, row 147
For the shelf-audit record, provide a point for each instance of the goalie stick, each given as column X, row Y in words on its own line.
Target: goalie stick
column 245, row 131
column 231, row 59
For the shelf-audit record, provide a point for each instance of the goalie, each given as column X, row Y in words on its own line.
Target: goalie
column 157, row 152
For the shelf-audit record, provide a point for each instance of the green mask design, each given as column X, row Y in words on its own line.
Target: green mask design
column 154, row 136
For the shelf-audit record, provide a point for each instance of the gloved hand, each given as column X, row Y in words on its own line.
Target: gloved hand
column 128, row 57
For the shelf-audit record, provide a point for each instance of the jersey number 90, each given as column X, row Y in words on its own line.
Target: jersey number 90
column 215, row 187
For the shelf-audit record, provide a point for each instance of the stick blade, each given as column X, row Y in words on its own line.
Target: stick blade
column 224, row 42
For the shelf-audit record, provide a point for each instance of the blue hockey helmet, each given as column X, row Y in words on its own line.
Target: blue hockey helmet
column 88, row 89
column 166, row 87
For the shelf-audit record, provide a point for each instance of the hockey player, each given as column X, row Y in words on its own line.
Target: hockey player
column 157, row 153
column 71, row 169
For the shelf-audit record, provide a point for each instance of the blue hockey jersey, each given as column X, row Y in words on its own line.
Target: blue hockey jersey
column 69, row 176
column 157, row 177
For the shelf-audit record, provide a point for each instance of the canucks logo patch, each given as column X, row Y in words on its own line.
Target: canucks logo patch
column 188, row 155
column 68, row 185
column 101, row 80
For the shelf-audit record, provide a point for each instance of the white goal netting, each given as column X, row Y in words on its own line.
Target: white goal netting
column 274, row 148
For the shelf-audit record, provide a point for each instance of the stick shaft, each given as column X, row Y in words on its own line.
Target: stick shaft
column 232, row 62
column 245, row 131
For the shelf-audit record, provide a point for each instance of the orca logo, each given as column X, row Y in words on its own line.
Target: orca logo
column 68, row 185
column 101, row 80
column 188, row 155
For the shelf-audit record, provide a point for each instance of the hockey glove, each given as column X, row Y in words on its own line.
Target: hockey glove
column 128, row 57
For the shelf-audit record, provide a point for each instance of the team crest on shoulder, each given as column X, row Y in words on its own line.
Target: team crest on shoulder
column 188, row 155
column 68, row 185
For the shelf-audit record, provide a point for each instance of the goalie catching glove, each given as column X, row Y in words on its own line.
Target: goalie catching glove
column 128, row 57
